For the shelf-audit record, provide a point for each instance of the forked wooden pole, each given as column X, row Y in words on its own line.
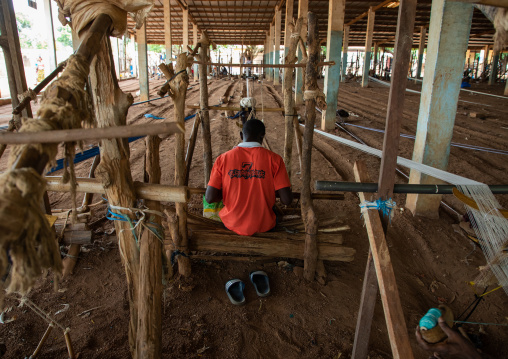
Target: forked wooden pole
column 308, row 213
column 289, row 97
column 203, row 103
column 149, row 336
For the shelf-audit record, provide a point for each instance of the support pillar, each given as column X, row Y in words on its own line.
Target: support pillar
column 494, row 66
column 270, row 53
column 143, row 64
column 485, row 58
column 506, row 89
column 290, row 4
column 132, row 50
column 376, row 47
column 450, row 23
column 51, row 35
column 168, row 43
column 276, row 53
column 334, row 36
column 421, row 49
column 195, row 42
column 303, row 9
column 185, row 29
column 344, row 53
column 368, row 47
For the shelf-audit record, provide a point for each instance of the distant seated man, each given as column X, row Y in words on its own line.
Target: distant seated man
column 247, row 178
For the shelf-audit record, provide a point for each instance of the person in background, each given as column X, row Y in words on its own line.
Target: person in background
column 39, row 69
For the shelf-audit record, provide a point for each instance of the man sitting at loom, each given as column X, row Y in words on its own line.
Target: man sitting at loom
column 247, row 178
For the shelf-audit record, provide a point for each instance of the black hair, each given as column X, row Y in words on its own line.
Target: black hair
column 253, row 128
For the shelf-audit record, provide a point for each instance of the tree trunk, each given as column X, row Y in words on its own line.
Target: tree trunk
column 111, row 106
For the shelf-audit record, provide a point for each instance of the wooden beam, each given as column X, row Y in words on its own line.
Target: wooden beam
column 87, row 134
column 300, row 65
column 277, row 38
column 153, row 192
column 366, row 13
column 395, row 322
column 303, row 9
column 144, row 91
column 402, row 57
column 421, row 49
column 368, row 47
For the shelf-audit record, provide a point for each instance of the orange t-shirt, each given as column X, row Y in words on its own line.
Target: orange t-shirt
column 248, row 178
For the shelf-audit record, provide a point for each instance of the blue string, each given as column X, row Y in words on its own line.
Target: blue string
column 149, row 115
column 383, row 206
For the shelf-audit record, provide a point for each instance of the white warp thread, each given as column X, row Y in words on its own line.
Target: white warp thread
column 489, row 224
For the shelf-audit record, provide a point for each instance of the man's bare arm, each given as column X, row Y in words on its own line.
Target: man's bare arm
column 213, row 194
column 286, row 195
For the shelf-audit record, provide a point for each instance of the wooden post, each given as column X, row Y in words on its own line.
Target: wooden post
column 271, row 41
column 448, row 39
column 144, row 91
column 402, row 55
column 311, row 100
column 494, row 65
column 178, row 91
column 303, row 8
column 276, row 54
column 506, row 89
column 299, row 140
column 345, row 46
column 195, row 42
column 168, row 41
column 51, row 35
column 111, row 106
column 421, row 49
column 149, row 336
column 205, row 115
column 397, row 330
column 185, row 29
column 288, row 20
column 368, row 47
column 333, row 53
column 14, row 67
column 289, row 100
column 376, row 48
column 191, row 146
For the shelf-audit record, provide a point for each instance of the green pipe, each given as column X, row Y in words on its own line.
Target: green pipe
column 398, row 188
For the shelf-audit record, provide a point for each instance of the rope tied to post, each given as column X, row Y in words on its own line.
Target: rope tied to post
column 313, row 94
column 386, row 207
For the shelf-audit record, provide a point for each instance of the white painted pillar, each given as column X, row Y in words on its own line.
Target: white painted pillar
column 51, row 36
column 334, row 37
column 143, row 64
column 450, row 23
column 168, row 43
column 368, row 47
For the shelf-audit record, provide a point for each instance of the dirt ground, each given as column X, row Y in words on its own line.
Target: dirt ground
column 432, row 262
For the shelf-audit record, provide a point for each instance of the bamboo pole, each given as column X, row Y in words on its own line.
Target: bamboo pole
column 149, row 336
column 311, row 249
column 154, row 192
column 289, row 98
column 191, row 146
column 87, row 134
column 111, row 106
column 217, row 108
column 178, row 86
column 298, row 135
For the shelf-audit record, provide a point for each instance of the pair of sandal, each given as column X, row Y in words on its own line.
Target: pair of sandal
column 235, row 287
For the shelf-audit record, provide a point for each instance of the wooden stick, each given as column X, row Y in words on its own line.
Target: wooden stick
column 154, row 192
column 68, row 343
column 84, row 134
column 311, row 249
column 289, row 97
column 397, row 330
column 149, row 335
column 111, row 105
column 70, row 260
column 10, row 128
column 191, row 146
column 88, row 197
column 279, row 66
column 178, row 91
column 298, row 135
column 367, row 301
column 42, row 341
column 203, row 105
column 225, row 108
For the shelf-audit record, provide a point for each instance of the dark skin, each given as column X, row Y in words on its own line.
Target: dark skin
column 456, row 346
column 285, row 194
